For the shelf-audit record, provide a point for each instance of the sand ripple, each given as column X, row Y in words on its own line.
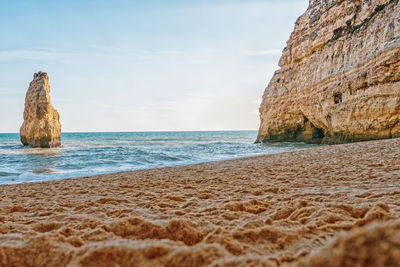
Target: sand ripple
column 325, row 206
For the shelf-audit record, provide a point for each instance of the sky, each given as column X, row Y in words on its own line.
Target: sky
column 149, row 65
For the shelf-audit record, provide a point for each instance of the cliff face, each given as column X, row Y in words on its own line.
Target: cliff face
column 41, row 127
column 339, row 76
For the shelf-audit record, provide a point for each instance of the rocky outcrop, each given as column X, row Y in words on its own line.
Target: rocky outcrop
column 339, row 76
column 41, row 127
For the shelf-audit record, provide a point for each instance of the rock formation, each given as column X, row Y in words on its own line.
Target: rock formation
column 41, row 127
column 339, row 76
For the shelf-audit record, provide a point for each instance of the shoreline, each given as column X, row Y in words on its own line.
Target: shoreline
column 94, row 154
column 157, row 168
column 272, row 209
column 54, row 175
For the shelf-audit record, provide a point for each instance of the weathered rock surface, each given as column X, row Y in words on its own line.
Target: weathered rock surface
column 41, row 127
column 339, row 76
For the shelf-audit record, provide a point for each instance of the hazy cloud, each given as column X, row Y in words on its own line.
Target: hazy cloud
column 266, row 52
column 46, row 54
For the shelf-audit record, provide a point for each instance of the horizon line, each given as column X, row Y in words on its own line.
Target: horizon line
column 150, row 131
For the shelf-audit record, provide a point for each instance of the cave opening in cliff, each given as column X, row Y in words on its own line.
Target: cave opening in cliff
column 319, row 133
column 337, row 98
column 310, row 133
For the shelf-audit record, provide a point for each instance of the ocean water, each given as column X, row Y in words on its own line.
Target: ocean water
column 83, row 154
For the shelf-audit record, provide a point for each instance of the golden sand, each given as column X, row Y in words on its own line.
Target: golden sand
column 323, row 206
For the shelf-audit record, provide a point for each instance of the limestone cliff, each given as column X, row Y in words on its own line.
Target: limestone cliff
column 339, row 76
column 41, row 127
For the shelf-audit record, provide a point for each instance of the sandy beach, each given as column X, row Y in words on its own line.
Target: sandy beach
column 325, row 206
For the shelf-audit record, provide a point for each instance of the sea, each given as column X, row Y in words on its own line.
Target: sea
column 84, row 154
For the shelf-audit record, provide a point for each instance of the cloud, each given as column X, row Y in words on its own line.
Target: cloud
column 33, row 54
column 109, row 49
column 267, row 52
column 65, row 56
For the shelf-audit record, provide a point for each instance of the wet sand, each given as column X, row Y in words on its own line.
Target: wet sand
column 325, row 206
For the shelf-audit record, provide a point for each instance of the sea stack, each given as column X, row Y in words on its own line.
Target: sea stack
column 41, row 127
column 339, row 76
